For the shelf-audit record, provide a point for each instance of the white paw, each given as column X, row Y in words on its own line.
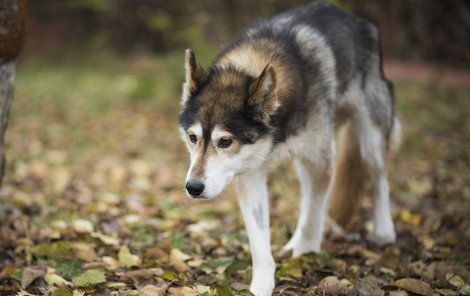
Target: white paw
column 299, row 245
column 262, row 283
column 262, row 287
column 382, row 238
column 303, row 247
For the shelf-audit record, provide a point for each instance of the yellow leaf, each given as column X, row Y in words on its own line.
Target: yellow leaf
column 126, row 259
column 408, row 217
column 110, row 262
column 82, row 226
column 53, row 279
column 105, row 239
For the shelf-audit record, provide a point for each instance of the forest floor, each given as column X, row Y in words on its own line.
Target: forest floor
column 93, row 203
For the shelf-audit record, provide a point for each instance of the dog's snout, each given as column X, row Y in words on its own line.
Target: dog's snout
column 194, row 187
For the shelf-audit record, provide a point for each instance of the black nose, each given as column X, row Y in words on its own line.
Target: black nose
column 194, row 187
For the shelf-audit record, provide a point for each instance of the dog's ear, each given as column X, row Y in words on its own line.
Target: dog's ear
column 262, row 99
column 195, row 75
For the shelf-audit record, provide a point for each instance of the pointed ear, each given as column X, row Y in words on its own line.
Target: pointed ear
column 262, row 98
column 195, row 75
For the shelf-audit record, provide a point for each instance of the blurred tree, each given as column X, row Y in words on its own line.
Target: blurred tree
column 12, row 30
column 414, row 29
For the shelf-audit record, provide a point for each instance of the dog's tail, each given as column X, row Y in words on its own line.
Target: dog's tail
column 351, row 172
column 395, row 135
column 350, row 176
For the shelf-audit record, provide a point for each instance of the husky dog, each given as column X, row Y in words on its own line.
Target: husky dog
column 301, row 85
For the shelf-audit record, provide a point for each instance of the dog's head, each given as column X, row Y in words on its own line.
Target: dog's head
column 225, row 123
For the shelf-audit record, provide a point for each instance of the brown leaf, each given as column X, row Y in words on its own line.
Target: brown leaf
column 140, row 278
column 413, row 285
column 84, row 251
column 368, row 288
column 398, row 293
column 30, row 274
column 151, row 290
column 178, row 258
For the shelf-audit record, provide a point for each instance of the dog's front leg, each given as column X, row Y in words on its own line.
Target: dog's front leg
column 254, row 204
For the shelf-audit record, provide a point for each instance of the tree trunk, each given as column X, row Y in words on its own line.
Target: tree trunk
column 12, row 30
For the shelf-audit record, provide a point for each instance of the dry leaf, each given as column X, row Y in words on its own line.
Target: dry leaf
column 126, row 259
column 30, row 274
column 82, row 226
column 53, row 279
column 414, row 285
column 84, row 251
column 178, row 258
column 107, row 240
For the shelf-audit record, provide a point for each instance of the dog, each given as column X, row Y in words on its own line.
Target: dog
column 308, row 85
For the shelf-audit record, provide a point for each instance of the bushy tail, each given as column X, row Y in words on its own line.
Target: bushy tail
column 350, row 176
column 351, row 172
column 395, row 135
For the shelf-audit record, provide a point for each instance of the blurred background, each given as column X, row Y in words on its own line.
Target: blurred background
column 93, row 141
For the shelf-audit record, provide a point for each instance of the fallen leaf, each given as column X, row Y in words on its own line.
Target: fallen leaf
column 201, row 228
column 178, row 258
column 189, row 291
column 82, row 226
column 408, row 217
column 221, row 290
column 151, row 290
column 398, row 293
column 30, row 274
column 201, row 289
column 465, row 290
column 413, row 285
column 388, row 271
column 53, row 279
column 84, row 251
column 291, row 269
column 89, row 278
column 426, row 242
column 345, row 286
column 420, row 187
column 61, row 292
column 446, row 292
column 110, row 262
column 115, row 285
column 105, row 239
column 126, row 259
column 56, row 250
column 367, row 288
column 455, row 280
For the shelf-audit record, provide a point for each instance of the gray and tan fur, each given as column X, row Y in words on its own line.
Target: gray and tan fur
column 308, row 85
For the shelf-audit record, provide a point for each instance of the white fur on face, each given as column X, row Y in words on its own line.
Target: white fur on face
column 195, row 129
column 222, row 164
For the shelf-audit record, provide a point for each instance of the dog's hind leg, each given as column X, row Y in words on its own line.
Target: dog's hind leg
column 254, row 205
column 315, row 180
column 373, row 144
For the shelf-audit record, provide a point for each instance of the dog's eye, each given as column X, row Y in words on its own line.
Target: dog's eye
column 224, row 143
column 193, row 138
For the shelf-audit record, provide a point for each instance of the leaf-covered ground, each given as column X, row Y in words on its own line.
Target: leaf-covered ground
column 93, row 201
